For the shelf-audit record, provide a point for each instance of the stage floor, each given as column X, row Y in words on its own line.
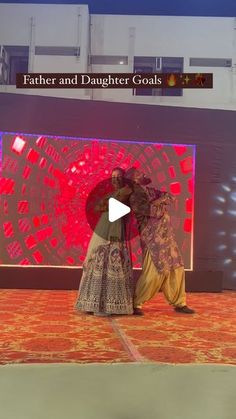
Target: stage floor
column 44, row 327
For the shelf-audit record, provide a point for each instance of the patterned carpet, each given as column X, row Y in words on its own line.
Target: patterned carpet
column 43, row 327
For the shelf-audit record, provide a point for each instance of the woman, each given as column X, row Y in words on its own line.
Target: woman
column 107, row 284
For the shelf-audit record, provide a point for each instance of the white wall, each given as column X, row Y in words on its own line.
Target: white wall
column 165, row 35
column 169, row 36
column 57, row 25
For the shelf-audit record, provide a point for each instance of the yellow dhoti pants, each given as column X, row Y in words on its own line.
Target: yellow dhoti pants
column 171, row 283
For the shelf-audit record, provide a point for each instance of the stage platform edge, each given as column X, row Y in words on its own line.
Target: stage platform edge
column 69, row 278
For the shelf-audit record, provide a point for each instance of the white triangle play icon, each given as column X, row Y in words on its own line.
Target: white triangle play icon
column 116, row 209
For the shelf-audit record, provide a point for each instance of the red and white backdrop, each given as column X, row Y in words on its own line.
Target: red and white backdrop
column 46, row 180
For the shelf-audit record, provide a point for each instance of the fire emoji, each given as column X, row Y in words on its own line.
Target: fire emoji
column 171, row 80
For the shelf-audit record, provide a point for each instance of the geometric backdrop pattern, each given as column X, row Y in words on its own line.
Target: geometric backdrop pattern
column 46, row 180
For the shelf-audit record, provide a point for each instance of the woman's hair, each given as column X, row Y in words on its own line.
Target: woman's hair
column 119, row 169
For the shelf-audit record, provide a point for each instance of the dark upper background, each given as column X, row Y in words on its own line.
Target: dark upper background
column 223, row 8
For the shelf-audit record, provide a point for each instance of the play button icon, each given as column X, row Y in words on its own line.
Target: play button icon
column 102, row 210
column 116, row 210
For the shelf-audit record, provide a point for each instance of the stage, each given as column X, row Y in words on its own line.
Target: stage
column 42, row 326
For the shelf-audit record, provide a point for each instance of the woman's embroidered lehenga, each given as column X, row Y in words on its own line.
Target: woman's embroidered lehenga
column 107, row 282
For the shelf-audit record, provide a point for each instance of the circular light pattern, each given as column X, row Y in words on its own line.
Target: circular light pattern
column 226, row 236
column 45, row 183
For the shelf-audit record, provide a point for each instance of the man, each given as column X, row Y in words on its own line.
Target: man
column 163, row 267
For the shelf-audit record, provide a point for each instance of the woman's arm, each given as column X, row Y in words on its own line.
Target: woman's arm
column 102, row 206
column 123, row 194
column 141, row 205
